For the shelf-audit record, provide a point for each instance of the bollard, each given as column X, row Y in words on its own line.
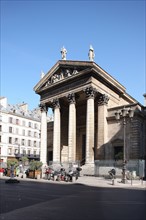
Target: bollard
column 113, row 181
column 73, row 179
column 55, row 177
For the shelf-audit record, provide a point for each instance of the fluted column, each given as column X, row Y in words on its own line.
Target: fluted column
column 90, row 125
column 56, row 131
column 43, row 151
column 72, row 128
column 102, row 125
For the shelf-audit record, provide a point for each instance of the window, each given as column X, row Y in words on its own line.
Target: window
column 34, row 143
column 10, row 120
column 29, row 124
column 0, row 138
column 28, row 152
column 29, row 143
column 24, row 151
column 34, row 152
column 10, row 151
column 35, row 134
column 35, row 126
column 16, row 140
column 10, row 140
column 0, row 127
column 23, row 142
column 17, row 121
column 10, row 129
column 16, row 151
column 29, row 133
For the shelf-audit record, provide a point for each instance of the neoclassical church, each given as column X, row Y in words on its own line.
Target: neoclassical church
column 94, row 117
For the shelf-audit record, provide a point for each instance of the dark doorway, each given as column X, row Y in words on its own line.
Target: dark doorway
column 118, row 152
column 83, row 148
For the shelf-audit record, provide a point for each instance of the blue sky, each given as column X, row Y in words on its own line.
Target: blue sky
column 33, row 32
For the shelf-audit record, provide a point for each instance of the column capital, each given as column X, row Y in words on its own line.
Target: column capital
column 90, row 92
column 43, row 108
column 55, row 103
column 71, row 98
column 103, row 99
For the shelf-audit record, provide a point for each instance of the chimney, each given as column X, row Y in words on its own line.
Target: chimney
column 24, row 107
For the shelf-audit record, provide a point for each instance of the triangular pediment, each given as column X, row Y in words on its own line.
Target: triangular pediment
column 62, row 71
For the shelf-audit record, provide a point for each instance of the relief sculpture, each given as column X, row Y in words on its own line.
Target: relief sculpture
column 60, row 76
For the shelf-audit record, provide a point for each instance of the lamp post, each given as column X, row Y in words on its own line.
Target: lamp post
column 124, row 113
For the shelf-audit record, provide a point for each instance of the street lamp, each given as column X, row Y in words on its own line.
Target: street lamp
column 124, row 113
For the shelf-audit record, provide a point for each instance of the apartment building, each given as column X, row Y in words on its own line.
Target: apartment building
column 19, row 131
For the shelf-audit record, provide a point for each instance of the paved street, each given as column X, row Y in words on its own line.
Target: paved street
column 97, row 199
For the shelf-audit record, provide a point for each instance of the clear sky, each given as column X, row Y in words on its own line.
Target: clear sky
column 33, row 32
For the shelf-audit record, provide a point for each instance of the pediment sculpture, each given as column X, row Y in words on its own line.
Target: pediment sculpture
column 65, row 73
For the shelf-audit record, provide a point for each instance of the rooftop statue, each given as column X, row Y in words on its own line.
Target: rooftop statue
column 91, row 53
column 63, row 53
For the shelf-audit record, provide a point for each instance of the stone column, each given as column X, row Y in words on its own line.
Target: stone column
column 56, row 131
column 90, row 125
column 72, row 129
column 102, row 125
column 43, row 151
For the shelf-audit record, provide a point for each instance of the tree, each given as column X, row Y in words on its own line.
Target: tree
column 12, row 162
column 35, row 165
column 24, row 160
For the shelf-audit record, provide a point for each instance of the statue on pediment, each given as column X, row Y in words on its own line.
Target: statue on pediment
column 91, row 53
column 63, row 53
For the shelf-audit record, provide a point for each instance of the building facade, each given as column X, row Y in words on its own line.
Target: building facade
column 19, row 131
column 85, row 100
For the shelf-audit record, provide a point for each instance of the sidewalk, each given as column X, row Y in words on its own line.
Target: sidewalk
column 102, row 182
column 92, row 181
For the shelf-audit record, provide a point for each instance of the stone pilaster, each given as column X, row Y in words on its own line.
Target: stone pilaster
column 72, row 128
column 43, row 151
column 102, row 125
column 56, row 131
column 90, row 125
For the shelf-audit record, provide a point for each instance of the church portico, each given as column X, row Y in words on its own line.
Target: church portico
column 81, row 95
column 74, row 113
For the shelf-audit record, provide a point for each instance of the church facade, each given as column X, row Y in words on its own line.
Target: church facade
column 85, row 100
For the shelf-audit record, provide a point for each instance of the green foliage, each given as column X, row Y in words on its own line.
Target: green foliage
column 35, row 165
column 12, row 162
column 24, row 160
